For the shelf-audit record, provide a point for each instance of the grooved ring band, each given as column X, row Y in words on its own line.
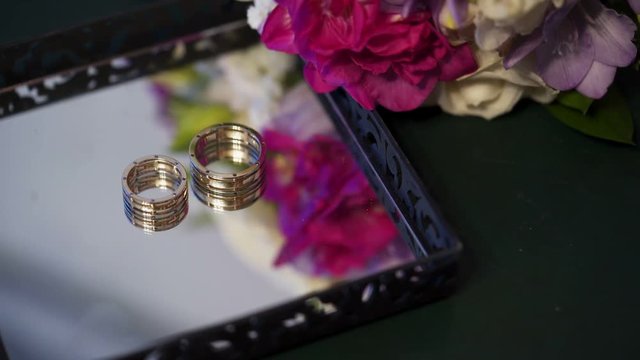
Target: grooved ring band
column 149, row 172
column 226, row 191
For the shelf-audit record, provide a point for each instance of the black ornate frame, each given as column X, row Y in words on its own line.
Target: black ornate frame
column 175, row 33
column 313, row 316
column 118, row 49
column 397, row 185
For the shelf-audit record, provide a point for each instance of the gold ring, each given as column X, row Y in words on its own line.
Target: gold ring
column 234, row 189
column 155, row 172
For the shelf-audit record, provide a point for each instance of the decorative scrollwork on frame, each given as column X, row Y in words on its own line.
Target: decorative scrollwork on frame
column 123, row 33
column 314, row 315
column 125, row 67
column 400, row 189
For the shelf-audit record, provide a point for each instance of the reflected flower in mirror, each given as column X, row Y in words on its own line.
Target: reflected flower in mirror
column 329, row 221
column 327, row 210
column 243, row 86
column 330, row 216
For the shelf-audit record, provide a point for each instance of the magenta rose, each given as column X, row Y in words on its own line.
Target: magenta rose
column 377, row 56
column 328, row 212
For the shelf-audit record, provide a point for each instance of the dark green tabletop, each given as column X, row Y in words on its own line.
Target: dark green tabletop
column 549, row 219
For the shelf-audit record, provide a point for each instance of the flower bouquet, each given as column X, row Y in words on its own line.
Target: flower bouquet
column 470, row 57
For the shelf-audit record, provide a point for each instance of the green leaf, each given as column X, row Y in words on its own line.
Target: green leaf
column 192, row 117
column 575, row 100
column 177, row 78
column 608, row 118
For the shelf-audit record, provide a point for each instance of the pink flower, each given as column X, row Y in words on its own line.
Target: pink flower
column 327, row 209
column 377, row 56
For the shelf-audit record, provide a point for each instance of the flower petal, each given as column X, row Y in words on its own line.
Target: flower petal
column 566, row 57
column 397, row 38
column 486, row 100
column 535, row 14
column 612, row 34
column 477, row 92
column 597, row 81
column 359, row 94
column 459, row 62
column 371, row 63
column 488, row 36
column 635, row 5
column 395, row 93
column 277, row 33
column 459, row 10
column 341, row 70
column 556, row 18
column 522, row 47
column 315, row 80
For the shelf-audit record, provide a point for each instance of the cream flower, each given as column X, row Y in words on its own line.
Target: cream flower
column 492, row 90
column 250, row 81
column 498, row 20
column 258, row 12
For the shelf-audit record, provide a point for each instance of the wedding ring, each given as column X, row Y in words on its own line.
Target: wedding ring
column 226, row 190
column 155, row 213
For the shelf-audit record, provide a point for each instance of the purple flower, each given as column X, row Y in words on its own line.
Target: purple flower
column 328, row 212
column 635, row 5
column 579, row 46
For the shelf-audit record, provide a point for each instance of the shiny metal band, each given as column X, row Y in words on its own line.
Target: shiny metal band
column 149, row 172
column 235, row 143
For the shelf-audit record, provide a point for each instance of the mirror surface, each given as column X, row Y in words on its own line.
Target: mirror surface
column 77, row 280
